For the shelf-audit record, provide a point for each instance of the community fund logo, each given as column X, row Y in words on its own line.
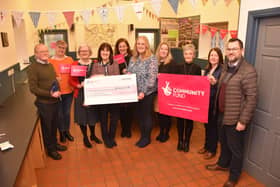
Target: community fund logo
column 167, row 90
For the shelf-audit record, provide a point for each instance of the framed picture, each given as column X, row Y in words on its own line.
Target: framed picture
column 50, row 37
column 151, row 34
column 4, row 38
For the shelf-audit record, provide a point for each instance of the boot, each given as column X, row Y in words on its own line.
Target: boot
column 87, row 143
column 180, row 146
column 69, row 136
column 93, row 137
column 85, row 139
column 62, row 137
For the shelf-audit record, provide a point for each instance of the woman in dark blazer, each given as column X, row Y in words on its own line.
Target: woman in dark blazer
column 126, row 109
column 213, row 72
column 185, row 126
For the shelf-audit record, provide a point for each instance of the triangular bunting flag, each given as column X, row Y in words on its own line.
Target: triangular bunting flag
column 204, row 2
column 18, row 16
column 120, row 12
column 213, row 31
column 156, row 4
column 35, row 16
column 174, row 5
column 204, row 28
column 193, row 3
column 51, row 18
column 215, row 2
column 233, row 33
column 223, row 33
column 103, row 12
column 86, row 15
column 69, row 16
column 3, row 15
column 138, row 9
column 227, row 2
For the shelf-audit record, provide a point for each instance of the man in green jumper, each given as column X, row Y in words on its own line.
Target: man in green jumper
column 42, row 83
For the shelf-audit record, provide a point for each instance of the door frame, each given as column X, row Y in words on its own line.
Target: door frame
column 252, row 32
column 254, row 18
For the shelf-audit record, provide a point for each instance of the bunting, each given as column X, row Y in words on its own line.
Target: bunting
column 3, row 15
column 103, row 13
column 18, row 16
column 69, row 16
column 138, row 9
column 215, row 2
column 86, row 16
column 156, row 4
column 213, row 31
column 174, row 5
column 223, row 33
column 120, row 12
column 51, row 18
column 35, row 16
column 193, row 3
column 204, row 28
column 233, row 33
column 227, row 2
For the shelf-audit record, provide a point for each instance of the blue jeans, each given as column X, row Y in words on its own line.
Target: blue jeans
column 64, row 112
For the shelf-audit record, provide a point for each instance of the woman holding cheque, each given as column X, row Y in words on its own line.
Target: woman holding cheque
column 185, row 126
column 144, row 64
column 213, row 72
column 106, row 66
column 83, row 115
column 165, row 65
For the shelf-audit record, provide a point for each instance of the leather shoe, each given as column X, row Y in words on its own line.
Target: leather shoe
column 209, row 155
column 60, row 147
column 202, row 151
column 229, row 183
column 69, row 136
column 94, row 138
column 180, row 146
column 186, row 147
column 86, row 142
column 55, row 155
column 62, row 137
column 215, row 167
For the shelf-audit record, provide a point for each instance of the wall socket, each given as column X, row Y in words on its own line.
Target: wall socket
column 11, row 72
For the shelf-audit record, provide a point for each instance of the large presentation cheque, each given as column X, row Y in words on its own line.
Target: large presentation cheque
column 110, row 89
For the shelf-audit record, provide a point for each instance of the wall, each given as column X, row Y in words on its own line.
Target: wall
column 250, row 5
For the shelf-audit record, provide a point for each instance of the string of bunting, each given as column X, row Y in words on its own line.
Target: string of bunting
column 213, row 30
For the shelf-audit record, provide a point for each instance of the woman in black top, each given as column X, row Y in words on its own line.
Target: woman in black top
column 185, row 126
column 126, row 109
column 166, row 65
column 213, row 72
column 107, row 67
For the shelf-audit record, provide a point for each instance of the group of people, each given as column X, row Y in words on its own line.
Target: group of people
column 231, row 106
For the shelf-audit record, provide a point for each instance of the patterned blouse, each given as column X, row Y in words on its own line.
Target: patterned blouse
column 146, row 74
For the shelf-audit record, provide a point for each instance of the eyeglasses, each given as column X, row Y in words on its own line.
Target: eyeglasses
column 233, row 49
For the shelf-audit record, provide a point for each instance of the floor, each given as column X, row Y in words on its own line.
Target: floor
column 157, row 165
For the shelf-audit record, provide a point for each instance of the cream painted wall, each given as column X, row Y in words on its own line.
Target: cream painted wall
column 208, row 13
column 249, row 5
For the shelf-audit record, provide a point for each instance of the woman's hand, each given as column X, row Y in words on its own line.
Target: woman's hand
column 141, row 96
column 212, row 79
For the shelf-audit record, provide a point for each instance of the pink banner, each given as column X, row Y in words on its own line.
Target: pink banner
column 78, row 71
column 184, row 96
column 119, row 58
column 64, row 68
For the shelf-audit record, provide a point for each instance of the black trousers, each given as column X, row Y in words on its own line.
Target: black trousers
column 232, row 150
column 48, row 114
column 164, row 123
column 143, row 111
column 184, row 129
column 211, row 133
column 108, row 130
column 126, row 117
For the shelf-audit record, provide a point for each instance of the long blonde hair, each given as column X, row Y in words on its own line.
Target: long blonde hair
column 148, row 51
column 168, row 57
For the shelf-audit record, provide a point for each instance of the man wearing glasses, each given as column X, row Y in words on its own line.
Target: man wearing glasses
column 237, row 93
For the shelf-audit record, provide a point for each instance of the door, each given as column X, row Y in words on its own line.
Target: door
column 262, row 159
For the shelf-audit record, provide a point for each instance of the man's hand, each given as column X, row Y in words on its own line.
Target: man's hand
column 240, row 127
column 56, row 94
